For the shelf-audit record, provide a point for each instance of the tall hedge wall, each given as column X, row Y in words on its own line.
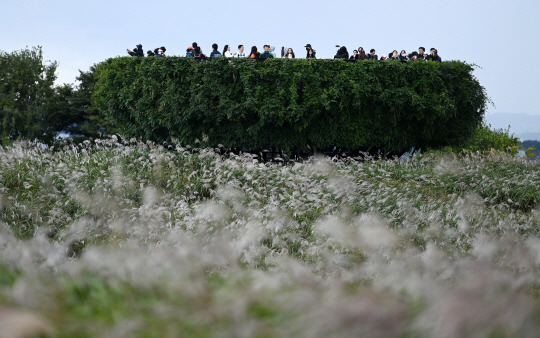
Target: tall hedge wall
column 290, row 104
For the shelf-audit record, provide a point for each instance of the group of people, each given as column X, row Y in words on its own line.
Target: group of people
column 196, row 52
column 138, row 51
column 268, row 52
column 360, row 54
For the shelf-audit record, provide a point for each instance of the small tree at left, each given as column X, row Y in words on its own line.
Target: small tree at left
column 26, row 96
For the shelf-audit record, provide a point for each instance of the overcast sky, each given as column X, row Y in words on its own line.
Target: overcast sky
column 499, row 36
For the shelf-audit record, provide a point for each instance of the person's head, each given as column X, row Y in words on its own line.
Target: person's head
column 254, row 49
column 194, row 44
column 156, row 51
column 360, row 49
column 163, row 50
column 355, row 52
column 267, row 48
column 135, row 49
column 310, row 52
column 226, row 49
column 149, row 53
column 241, row 48
column 433, row 51
column 403, row 52
column 308, row 47
column 383, row 57
column 421, row 50
column 289, row 51
column 394, row 53
column 189, row 49
column 214, row 46
column 372, row 51
column 139, row 46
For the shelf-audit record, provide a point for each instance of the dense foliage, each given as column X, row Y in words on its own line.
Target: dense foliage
column 485, row 139
column 26, row 93
column 80, row 118
column 32, row 108
column 292, row 104
column 111, row 240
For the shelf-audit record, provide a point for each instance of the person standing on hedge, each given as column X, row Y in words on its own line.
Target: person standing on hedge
column 421, row 53
column 227, row 52
column 342, row 53
column 289, row 54
column 403, row 56
column 240, row 53
column 361, row 53
column 310, row 52
column 434, row 56
column 215, row 53
column 266, row 54
column 254, row 53
column 137, row 51
column 372, row 55
column 198, row 54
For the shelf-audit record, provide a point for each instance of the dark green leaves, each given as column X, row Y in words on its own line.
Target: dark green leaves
column 290, row 104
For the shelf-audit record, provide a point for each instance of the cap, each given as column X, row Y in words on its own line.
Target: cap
column 308, row 45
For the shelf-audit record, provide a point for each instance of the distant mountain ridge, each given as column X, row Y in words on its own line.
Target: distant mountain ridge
column 524, row 126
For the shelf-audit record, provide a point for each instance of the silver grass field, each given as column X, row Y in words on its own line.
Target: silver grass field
column 111, row 239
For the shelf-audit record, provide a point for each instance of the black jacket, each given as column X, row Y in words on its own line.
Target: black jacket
column 435, row 58
column 372, row 57
column 342, row 53
column 266, row 55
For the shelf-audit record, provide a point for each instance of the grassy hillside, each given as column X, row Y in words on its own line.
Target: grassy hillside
column 115, row 240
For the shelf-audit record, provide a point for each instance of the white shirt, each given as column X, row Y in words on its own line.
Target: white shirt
column 240, row 54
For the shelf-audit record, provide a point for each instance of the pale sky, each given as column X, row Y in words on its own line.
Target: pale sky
column 499, row 36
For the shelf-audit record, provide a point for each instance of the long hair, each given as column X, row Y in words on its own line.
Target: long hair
column 361, row 53
column 225, row 49
column 292, row 52
column 253, row 51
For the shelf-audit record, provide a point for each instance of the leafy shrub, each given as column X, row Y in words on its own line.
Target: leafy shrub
column 292, row 104
column 486, row 140
column 26, row 92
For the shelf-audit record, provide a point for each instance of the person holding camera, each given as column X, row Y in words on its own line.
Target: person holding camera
column 434, row 56
column 137, row 51
column 310, row 52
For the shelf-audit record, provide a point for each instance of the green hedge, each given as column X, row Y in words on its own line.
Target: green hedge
column 292, row 104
